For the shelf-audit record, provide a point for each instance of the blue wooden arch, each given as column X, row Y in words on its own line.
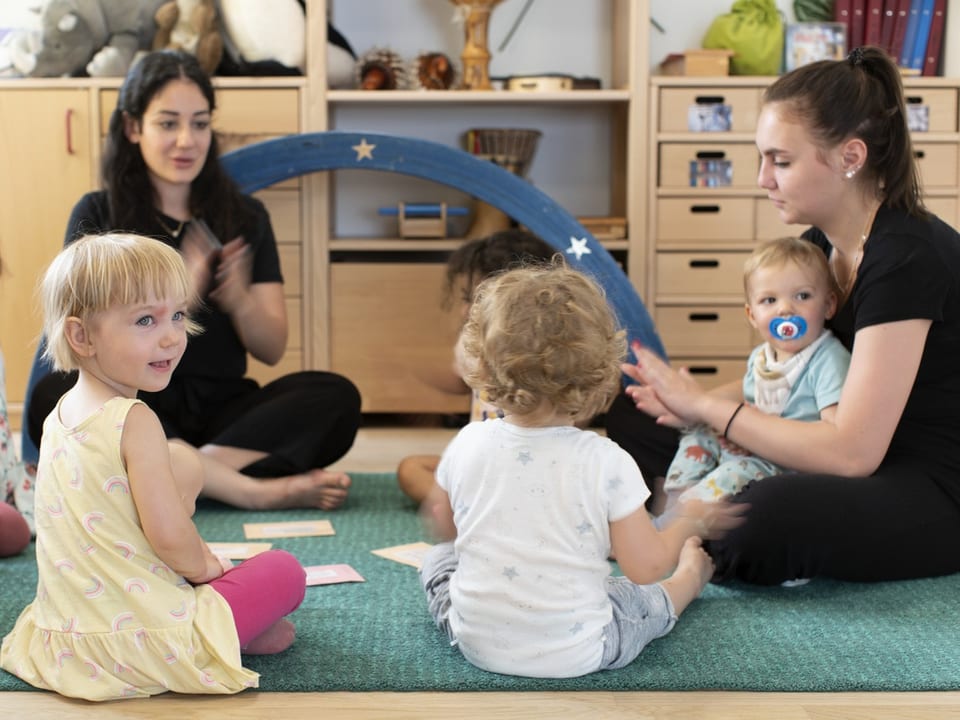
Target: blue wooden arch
column 257, row 166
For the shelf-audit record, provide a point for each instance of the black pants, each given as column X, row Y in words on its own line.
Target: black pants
column 896, row 524
column 303, row 420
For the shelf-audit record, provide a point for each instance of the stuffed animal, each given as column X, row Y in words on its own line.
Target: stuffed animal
column 99, row 37
column 193, row 26
column 258, row 31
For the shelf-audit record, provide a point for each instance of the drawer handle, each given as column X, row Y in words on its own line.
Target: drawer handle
column 711, row 155
column 914, row 100
column 69, row 129
column 703, row 370
column 703, row 317
column 704, row 208
column 919, row 154
column 704, row 263
column 709, row 99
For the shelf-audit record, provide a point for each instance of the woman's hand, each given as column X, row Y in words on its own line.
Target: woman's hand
column 231, row 280
column 200, row 257
column 672, row 397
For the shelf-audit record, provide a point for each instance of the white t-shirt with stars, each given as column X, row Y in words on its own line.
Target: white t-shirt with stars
column 532, row 508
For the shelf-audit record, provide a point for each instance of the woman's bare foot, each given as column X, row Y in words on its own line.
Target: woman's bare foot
column 694, row 570
column 321, row 489
column 276, row 638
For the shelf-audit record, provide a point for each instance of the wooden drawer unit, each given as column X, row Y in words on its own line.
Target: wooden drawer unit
column 695, row 165
column 705, row 330
column 941, row 104
column 946, row 208
column 704, row 221
column 768, row 224
column 285, row 213
column 938, row 164
column 240, row 111
column 676, row 104
column 711, row 372
column 695, row 276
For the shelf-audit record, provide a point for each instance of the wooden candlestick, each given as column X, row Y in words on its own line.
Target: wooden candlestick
column 476, row 55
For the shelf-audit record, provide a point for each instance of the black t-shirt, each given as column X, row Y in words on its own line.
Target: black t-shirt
column 217, row 352
column 910, row 270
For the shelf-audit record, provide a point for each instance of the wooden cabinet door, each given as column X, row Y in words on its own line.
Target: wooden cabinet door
column 46, row 164
column 391, row 337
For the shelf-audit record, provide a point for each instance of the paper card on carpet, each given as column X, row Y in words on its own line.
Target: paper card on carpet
column 293, row 528
column 331, row 574
column 237, row 551
column 410, row 554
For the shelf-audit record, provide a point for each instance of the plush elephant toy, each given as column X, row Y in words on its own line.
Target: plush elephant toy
column 76, row 37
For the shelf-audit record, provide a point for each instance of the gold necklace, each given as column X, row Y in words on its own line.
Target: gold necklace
column 174, row 233
column 857, row 256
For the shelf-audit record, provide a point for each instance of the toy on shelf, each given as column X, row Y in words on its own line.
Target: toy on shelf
column 381, row 69
column 476, row 55
column 511, row 149
column 420, row 220
column 75, row 37
column 192, row 26
column 433, row 71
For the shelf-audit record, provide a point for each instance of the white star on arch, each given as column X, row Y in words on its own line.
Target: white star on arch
column 578, row 247
column 364, row 150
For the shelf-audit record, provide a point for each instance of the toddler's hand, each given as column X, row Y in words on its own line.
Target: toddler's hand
column 711, row 520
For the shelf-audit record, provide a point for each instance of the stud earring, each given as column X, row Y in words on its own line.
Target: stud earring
column 851, row 172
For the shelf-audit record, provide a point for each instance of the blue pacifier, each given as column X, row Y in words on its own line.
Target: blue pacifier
column 788, row 328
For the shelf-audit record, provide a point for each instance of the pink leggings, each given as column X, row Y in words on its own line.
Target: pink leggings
column 261, row 591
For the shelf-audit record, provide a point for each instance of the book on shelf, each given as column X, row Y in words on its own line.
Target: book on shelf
column 858, row 23
column 910, row 35
column 900, row 18
column 841, row 14
column 873, row 22
column 887, row 21
column 931, row 61
column 919, row 54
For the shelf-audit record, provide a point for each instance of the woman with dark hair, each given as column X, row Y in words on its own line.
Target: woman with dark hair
column 877, row 495
column 266, row 446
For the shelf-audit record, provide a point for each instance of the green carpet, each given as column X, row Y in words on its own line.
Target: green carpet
column 822, row 637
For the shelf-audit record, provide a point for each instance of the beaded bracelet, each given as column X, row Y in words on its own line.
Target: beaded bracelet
column 730, row 421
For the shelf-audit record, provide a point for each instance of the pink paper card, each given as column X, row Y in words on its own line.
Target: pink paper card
column 410, row 554
column 237, row 551
column 331, row 574
column 294, row 528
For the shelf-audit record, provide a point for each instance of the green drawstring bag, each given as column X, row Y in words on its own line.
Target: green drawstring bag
column 753, row 29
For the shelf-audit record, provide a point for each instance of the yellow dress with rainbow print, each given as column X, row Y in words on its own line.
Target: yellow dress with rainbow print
column 110, row 619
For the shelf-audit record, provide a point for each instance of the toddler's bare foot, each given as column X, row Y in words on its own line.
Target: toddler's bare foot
column 276, row 638
column 694, row 570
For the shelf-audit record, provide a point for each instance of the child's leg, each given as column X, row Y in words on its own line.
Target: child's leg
column 438, row 565
column 643, row 613
column 416, row 475
column 261, row 591
column 188, row 473
column 730, row 477
column 698, row 453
